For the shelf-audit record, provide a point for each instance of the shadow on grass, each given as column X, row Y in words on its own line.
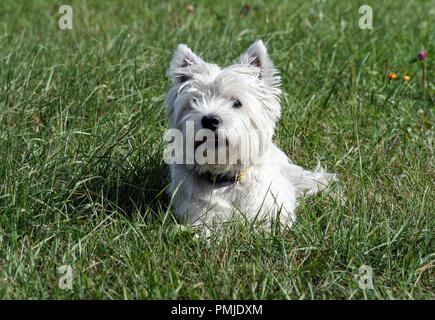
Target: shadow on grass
column 125, row 187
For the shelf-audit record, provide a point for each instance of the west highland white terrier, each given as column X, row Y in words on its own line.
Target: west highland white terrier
column 221, row 154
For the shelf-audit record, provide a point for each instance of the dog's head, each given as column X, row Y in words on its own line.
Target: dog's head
column 231, row 110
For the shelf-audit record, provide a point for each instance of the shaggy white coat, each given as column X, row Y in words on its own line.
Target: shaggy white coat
column 270, row 189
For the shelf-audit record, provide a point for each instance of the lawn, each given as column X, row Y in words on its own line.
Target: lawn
column 82, row 177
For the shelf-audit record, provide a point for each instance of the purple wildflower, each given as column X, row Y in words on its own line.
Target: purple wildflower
column 421, row 55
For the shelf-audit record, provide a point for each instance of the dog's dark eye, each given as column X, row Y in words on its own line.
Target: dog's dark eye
column 237, row 104
column 194, row 100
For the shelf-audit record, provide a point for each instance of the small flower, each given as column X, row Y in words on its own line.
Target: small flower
column 190, row 8
column 421, row 55
column 392, row 76
column 245, row 10
column 406, row 78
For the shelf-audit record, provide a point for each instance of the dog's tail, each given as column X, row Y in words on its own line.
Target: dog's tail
column 309, row 182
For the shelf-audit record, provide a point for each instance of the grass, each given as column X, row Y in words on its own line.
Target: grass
column 82, row 175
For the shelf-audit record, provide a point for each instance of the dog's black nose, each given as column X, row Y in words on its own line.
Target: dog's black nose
column 210, row 122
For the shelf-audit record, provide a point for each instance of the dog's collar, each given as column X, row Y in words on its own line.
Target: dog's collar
column 219, row 178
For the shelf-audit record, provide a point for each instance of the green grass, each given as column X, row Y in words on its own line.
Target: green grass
column 82, row 175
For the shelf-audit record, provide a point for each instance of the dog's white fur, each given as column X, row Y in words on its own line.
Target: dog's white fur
column 273, row 184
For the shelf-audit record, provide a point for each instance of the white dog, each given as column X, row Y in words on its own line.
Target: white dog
column 232, row 111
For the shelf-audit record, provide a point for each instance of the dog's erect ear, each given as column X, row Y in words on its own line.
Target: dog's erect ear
column 256, row 56
column 181, row 65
